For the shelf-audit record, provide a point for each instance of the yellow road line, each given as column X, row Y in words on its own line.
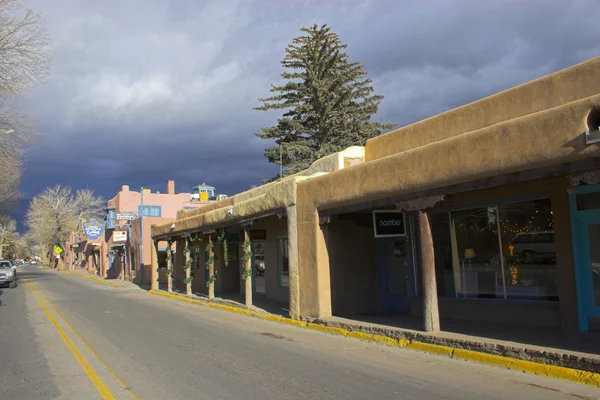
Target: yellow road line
column 100, row 386
column 88, row 346
column 553, row 371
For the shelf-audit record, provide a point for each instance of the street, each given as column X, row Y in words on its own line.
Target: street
column 90, row 340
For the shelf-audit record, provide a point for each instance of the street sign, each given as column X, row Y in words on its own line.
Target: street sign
column 93, row 229
column 389, row 223
column 5, row 245
column 126, row 216
column 57, row 250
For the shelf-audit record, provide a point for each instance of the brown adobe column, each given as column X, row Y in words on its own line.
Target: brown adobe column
column 211, row 270
column 154, row 265
column 431, row 315
column 248, row 270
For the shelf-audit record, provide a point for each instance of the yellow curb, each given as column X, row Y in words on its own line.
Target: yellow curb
column 431, row 348
column 553, row 371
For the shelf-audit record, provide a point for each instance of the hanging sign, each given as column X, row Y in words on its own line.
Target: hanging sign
column 119, row 236
column 93, row 229
column 389, row 223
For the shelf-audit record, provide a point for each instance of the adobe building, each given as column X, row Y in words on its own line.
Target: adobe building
column 84, row 253
column 262, row 220
column 508, row 184
column 486, row 213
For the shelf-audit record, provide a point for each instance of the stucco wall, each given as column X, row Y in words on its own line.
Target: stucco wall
column 275, row 227
column 135, row 244
column 353, row 267
column 546, row 138
column 571, row 84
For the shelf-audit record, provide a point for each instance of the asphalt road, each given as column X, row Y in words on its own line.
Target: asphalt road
column 104, row 341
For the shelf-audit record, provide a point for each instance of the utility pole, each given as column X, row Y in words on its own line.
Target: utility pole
column 141, row 212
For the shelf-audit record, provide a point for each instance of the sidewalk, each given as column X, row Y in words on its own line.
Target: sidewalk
column 578, row 350
column 507, row 346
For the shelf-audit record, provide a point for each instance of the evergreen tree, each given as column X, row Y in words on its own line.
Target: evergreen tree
column 329, row 102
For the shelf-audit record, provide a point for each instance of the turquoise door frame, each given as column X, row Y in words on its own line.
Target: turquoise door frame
column 580, row 221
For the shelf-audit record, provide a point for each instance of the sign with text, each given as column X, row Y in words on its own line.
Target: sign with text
column 93, row 229
column 119, row 236
column 126, row 216
column 389, row 224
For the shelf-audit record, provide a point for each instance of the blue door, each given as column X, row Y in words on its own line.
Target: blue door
column 584, row 204
column 394, row 266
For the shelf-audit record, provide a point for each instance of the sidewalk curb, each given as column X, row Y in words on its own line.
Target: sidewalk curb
column 553, row 371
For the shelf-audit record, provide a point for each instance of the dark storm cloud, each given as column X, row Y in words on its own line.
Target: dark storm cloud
column 144, row 91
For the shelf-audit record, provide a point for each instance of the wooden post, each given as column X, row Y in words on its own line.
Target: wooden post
column 431, row 315
column 188, row 270
column 248, row 270
column 169, row 268
column 211, row 270
column 154, row 266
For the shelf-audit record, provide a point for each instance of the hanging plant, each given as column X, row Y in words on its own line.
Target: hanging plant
column 210, row 262
column 246, row 257
column 223, row 240
column 195, row 238
column 188, row 261
column 169, row 259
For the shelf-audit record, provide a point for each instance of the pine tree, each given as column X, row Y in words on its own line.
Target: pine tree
column 329, row 102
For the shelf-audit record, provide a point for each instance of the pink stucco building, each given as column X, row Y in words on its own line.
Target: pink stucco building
column 117, row 253
column 123, row 233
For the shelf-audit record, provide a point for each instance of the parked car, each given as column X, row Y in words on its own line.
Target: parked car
column 533, row 246
column 32, row 262
column 8, row 274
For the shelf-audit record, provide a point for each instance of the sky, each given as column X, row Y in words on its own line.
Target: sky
column 143, row 91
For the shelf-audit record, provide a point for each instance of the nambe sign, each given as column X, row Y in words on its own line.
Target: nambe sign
column 389, row 223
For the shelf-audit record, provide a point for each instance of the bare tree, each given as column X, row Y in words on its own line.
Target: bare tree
column 24, row 63
column 8, row 232
column 89, row 205
column 24, row 56
column 54, row 214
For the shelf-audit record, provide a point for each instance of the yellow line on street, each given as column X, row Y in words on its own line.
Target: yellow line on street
column 100, row 386
column 87, row 345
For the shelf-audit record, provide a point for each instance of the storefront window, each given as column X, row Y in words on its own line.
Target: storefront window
column 497, row 252
column 476, row 265
column 529, row 251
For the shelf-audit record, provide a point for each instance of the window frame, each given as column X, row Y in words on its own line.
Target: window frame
column 497, row 203
column 151, row 210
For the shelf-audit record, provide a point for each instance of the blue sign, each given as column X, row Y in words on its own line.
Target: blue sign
column 93, row 229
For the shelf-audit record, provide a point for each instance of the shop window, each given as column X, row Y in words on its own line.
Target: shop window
column 283, row 261
column 150, row 211
column 442, row 247
column 475, row 260
column 195, row 254
column 588, row 201
column 497, row 252
column 528, row 250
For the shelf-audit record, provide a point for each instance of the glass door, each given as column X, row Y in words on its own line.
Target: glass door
column 585, row 219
